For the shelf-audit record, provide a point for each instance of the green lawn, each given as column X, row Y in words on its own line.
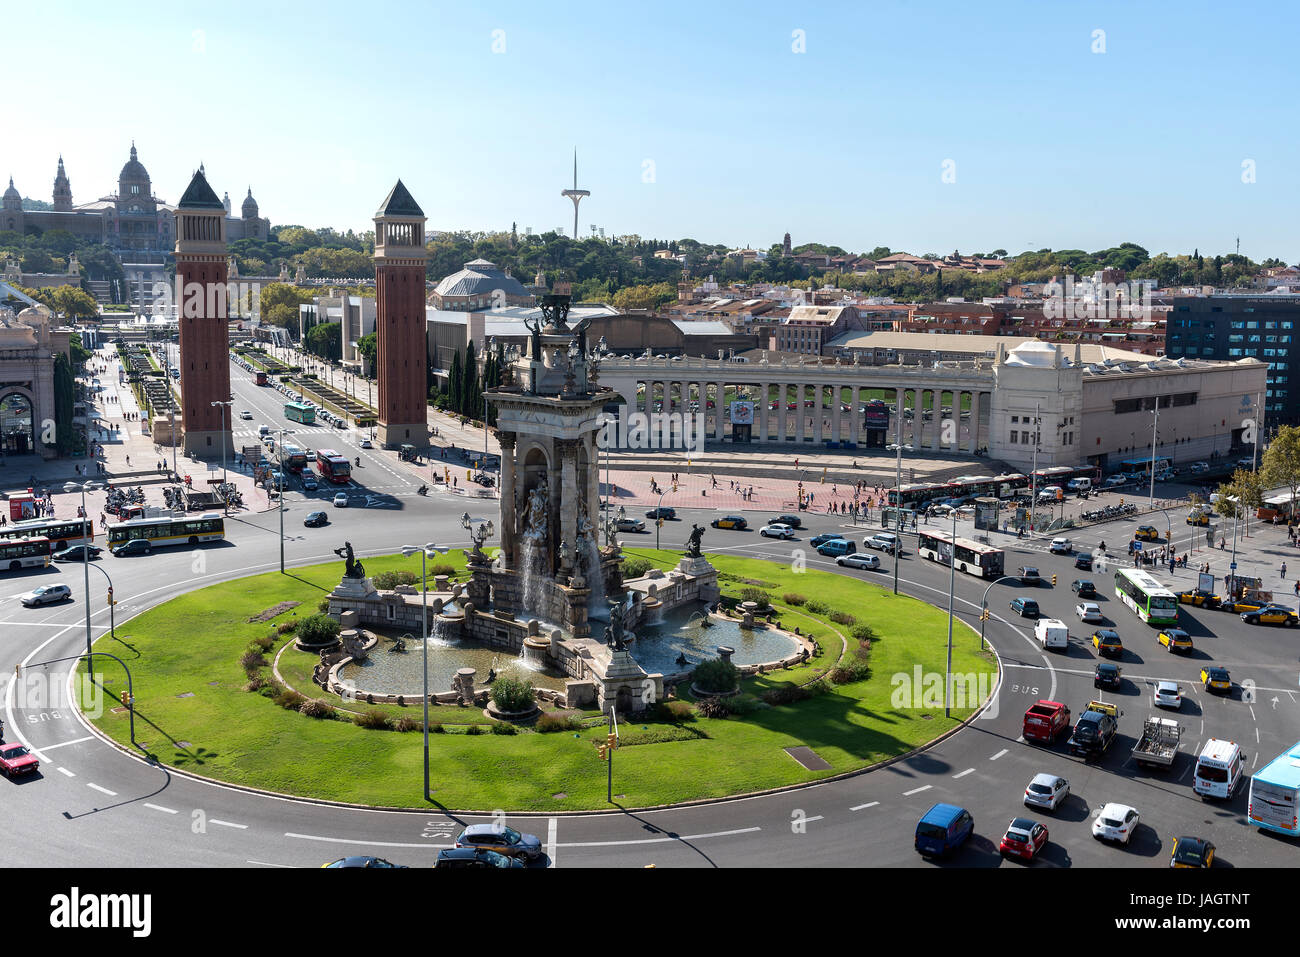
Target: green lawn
column 191, row 646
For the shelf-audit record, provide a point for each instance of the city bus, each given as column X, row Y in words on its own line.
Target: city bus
column 16, row 553
column 261, row 377
column 1275, row 794
column 1061, row 474
column 983, row 561
column 292, row 459
column 300, row 412
column 61, row 532
column 169, row 531
column 918, row 496
column 333, row 467
column 984, row 486
column 1147, row 598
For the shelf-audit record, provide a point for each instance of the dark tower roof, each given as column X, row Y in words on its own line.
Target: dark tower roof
column 133, row 169
column 249, row 208
column 399, row 203
column 199, row 195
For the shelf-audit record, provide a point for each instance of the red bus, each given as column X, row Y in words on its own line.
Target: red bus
column 261, row 378
column 333, row 467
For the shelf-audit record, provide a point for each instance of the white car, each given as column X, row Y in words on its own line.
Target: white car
column 967, row 510
column 1047, row 790
column 1051, row 492
column 341, row 500
column 882, row 542
column 1167, row 695
column 1118, row 479
column 859, row 560
column 366, row 444
column 1115, row 822
column 246, row 415
column 1088, row 611
column 1060, row 546
column 45, row 595
column 942, row 510
column 776, row 530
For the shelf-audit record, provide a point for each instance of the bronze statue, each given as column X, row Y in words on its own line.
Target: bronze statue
column 614, row 630
column 352, row 568
column 693, row 543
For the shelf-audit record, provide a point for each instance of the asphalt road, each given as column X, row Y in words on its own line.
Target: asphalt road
column 91, row 805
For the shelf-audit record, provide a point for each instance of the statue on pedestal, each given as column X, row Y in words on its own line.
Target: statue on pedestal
column 614, row 630
column 352, row 568
column 693, row 543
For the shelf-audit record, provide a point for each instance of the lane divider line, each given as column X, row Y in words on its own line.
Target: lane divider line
column 159, row 807
column 51, row 747
column 998, row 755
column 101, row 790
column 924, row 787
column 66, row 773
column 863, row 807
column 962, row 774
column 213, row 820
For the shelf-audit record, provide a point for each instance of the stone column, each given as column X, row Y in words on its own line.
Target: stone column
column 799, row 412
column 974, row 420
column 898, row 405
column 855, row 410
column 719, row 423
column 509, row 507
column 936, row 419
column 567, row 450
column 836, row 402
column 593, row 485
column 762, row 412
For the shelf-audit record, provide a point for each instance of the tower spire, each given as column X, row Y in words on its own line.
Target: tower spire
column 575, row 194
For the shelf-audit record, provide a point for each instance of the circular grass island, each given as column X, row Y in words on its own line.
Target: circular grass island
column 221, row 692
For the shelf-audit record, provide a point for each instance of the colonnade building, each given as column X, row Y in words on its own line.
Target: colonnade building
column 1093, row 404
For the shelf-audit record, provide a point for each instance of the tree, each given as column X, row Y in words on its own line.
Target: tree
column 1281, row 463
column 1240, row 495
column 368, row 347
column 455, row 383
column 75, row 303
column 323, row 340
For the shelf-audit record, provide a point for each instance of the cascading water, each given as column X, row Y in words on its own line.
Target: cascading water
column 597, row 602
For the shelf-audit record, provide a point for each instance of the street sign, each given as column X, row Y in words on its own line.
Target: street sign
column 1233, row 567
column 1137, row 546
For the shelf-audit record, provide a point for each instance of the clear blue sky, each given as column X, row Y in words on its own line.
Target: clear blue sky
column 321, row 106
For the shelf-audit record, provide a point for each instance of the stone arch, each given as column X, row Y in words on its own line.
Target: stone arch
column 17, row 421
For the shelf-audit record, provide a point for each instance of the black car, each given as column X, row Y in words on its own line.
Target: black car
column 792, row 520
column 474, row 857
column 1083, row 561
column 1107, row 675
column 1028, row 575
column 663, row 511
column 73, row 553
column 361, row 862
column 316, row 520
column 817, row 541
column 136, row 546
column 1083, row 588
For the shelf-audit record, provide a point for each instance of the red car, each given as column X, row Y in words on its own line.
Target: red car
column 1024, row 838
column 15, row 759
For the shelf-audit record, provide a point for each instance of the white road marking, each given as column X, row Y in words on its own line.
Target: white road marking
column 66, row 773
column 213, row 820
column 51, row 747
column 1252, row 713
column 269, row 864
column 551, row 827
column 863, row 807
column 159, row 807
column 924, row 787
column 998, row 755
column 962, row 774
column 344, row 840
column 1257, row 734
column 809, row 820
column 102, row 790
column 664, row 840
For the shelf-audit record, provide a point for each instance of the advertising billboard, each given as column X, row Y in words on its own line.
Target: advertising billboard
column 742, row 413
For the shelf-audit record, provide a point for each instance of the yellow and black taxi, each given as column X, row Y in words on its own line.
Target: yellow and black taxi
column 1107, row 642
column 1198, row 516
column 1239, row 605
column 1175, row 639
column 1146, row 533
column 1272, row 615
column 1216, row 679
column 731, row 521
column 1200, row 598
column 1192, row 852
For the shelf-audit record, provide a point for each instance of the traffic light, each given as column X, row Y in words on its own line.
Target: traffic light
column 127, row 699
column 1053, row 581
column 660, row 522
column 110, row 595
column 600, row 750
column 611, row 740
column 984, row 615
column 1121, row 501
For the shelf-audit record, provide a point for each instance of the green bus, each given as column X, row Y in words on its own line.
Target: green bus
column 1147, row 598
column 300, row 412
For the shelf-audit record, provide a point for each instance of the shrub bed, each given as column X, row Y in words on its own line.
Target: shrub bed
column 717, row 676
column 513, row 694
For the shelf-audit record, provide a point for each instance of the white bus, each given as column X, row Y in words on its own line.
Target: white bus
column 983, row 561
column 169, row 530
column 1147, row 598
column 16, row 553
column 1275, row 794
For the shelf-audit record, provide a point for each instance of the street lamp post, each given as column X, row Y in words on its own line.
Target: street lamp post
column 225, row 404
column 1155, row 424
column 952, row 588
column 898, row 484
column 659, row 518
column 425, row 551
column 282, row 433
column 984, row 602
column 1033, row 473
column 86, row 535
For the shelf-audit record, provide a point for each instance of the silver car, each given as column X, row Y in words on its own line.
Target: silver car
column 1047, row 791
column 45, row 595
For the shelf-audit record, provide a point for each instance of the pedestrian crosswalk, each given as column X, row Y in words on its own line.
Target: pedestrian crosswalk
column 297, row 430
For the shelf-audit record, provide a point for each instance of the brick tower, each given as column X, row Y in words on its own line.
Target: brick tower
column 201, row 273
column 402, row 357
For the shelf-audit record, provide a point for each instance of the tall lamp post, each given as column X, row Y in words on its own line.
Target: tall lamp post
column 984, row 603
column 86, row 534
column 1155, row 424
column 225, row 404
column 952, row 588
column 425, row 551
column 280, row 443
column 898, row 485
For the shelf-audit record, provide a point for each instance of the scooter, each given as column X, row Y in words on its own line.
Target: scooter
column 422, row 490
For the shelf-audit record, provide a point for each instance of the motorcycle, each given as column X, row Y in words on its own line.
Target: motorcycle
column 422, row 490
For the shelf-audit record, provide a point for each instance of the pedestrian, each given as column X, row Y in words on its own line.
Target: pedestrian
column 1284, row 569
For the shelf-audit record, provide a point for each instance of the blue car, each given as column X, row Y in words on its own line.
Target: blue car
column 818, row 541
column 943, row 829
column 1024, row 607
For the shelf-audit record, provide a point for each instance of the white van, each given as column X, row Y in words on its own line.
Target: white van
column 1219, row 769
column 1052, row 633
column 1078, row 485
